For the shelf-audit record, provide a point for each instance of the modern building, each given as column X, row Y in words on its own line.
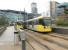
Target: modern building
column 55, row 10
column 12, row 15
column 34, row 8
column 65, row 9
column 52, row 8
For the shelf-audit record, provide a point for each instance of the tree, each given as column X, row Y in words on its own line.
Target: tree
column 3, row 20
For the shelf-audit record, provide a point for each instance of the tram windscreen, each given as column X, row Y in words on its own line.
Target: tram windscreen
column 47, row 22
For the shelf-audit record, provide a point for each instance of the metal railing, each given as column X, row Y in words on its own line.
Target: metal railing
column 2, row 29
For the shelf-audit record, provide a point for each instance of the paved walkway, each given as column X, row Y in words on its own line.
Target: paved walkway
column 7, row 40
column 8, row 35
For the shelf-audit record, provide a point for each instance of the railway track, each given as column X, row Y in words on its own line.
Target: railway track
column 50, row 40
column 59, row 36
column 35, row 45
column 50, row 44
column 62, row 36
column 30, row 45
column 47, row 48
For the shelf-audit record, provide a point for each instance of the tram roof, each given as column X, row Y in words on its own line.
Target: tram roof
column 19, row 21
column 35, row 18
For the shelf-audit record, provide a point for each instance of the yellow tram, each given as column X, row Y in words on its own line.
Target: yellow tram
column 39, row 24
column 18, row 25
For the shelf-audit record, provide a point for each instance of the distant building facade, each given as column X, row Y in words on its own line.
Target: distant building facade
column 52, row 9
column 55, row 11
column 65, row 9
column 34, row 8
column 12, row 15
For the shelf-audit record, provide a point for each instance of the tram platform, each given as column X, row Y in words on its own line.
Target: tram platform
column 7, row 40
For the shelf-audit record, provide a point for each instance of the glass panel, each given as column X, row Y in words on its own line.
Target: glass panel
column 41, row 21
column 47, row 21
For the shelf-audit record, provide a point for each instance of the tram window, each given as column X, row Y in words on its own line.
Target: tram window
column 47, row 21
column 35, row 22
column 25, row 23
column 41, row 21
column 18, row 23
column 30, row 22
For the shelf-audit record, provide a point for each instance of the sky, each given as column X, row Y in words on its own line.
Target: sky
column 42, row 5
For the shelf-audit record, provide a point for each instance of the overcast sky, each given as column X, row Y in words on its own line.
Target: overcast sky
column 42, row 5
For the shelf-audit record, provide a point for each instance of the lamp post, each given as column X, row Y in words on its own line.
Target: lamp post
column 23, row 38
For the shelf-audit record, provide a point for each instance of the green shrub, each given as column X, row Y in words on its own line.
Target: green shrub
column 3, row 20
column 62, row 22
